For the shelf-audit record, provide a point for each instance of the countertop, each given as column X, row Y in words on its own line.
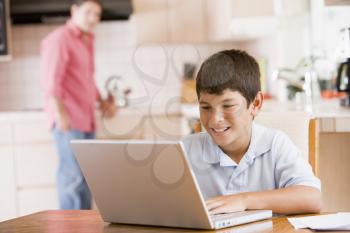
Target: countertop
column 322, row 109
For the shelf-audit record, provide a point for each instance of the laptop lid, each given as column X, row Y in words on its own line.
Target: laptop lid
column 142, row 182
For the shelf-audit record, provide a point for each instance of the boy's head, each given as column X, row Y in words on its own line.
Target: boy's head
column 228, row 90
column 86, row 14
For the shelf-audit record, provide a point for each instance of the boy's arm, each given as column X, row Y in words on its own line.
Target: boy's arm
column 289, row 200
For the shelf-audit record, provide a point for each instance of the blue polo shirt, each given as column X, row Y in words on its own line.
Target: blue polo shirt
column 272, row 161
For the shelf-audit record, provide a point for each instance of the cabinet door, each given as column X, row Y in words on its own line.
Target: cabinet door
column 32, row 131
column 37, row 199
column 36, row 165
column 6, row 134
column 333, row 170
column 174, row 21
column 7, row 184
column 151, row 20
column 187, row 21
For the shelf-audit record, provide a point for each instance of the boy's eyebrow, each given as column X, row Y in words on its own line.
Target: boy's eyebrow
column 203, row 102
column 228, row 100
column 224, row 101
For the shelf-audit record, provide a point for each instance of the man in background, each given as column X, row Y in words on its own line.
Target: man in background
column 71, row 95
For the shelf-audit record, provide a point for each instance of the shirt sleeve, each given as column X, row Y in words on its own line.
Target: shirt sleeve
column 290, row 167
column 97, row 92
column 54, row 62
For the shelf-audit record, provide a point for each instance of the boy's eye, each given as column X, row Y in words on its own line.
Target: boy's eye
column 228, row 106
column 205, row 107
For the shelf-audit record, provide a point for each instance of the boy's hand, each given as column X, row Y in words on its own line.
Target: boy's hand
column 227, row 204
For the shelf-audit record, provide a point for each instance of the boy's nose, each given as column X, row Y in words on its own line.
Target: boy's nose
column 217, row 116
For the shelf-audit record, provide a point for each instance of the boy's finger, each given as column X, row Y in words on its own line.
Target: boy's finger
column 218, row 210
column 213, row 205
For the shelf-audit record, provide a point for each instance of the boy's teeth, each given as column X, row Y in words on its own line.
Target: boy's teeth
column 220, row 130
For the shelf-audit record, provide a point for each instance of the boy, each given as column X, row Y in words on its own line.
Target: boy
column 240, row 165
column 71, row 94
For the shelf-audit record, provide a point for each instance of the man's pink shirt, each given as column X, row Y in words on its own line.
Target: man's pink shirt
column 68, row 67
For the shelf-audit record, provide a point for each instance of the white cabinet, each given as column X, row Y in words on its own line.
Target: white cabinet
column 195, row 21
column 6, row 134
column 36, row 165
column 169, row 21
column 28, row 164
column 7, row 183
column 36, row 199
column 240, row 19
column 32, row 131
column 28, row 159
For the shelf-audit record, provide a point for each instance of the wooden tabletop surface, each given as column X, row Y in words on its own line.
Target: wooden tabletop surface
column 89, row 221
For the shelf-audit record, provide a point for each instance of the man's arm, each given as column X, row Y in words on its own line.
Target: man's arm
column 289, row 200
column 54, row 61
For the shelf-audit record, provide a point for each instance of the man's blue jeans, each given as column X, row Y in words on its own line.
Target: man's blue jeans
column 73, row 192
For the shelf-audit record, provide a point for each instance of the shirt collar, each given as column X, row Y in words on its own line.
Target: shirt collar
column 75, row 29
column 259, row 144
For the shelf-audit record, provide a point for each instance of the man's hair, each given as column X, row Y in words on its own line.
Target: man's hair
column 80, row 2
column 229, row 69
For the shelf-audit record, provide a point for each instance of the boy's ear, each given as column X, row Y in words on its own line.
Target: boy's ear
column 257, row 103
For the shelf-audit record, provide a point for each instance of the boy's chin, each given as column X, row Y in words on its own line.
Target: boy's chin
column 224, row 141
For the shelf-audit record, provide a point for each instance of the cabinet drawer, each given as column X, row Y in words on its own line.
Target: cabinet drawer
column 6, row 134
column 35, row 164
column 32, row 131
column 34, row 200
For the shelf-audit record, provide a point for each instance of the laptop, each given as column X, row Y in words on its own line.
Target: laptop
column 149, row 183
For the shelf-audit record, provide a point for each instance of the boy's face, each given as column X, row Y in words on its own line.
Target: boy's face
column 87, row 15
column 226, row 117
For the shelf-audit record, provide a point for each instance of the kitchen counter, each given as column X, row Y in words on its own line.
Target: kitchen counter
column 323, row 109
column 331, row 116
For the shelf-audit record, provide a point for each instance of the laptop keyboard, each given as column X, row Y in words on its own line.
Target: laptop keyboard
column 216, row 217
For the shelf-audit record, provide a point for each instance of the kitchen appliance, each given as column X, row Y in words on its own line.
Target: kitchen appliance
column 118, row 89
column 343, row 74
column 57, row 11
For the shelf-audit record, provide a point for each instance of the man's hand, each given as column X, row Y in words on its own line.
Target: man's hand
column 62, row 121
column 60, row 114
column 227, row 204
column 108, row 107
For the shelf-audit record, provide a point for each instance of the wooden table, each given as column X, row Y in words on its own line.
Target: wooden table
column 89, row 221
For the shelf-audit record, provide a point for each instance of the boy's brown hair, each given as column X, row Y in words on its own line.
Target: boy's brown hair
column 80, row 2
column 229, row 69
